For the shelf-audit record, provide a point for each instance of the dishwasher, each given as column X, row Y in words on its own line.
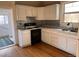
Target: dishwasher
column 35, row 36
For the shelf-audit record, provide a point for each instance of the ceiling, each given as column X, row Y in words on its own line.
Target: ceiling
column 37, row 3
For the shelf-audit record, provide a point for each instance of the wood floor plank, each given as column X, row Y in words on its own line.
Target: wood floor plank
column 37, row 50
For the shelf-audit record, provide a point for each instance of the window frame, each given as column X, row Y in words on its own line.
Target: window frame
column 73, row 12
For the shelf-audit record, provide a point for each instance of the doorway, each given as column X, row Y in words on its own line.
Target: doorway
column 6, row 28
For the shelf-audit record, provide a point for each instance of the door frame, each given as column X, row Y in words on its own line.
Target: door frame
column 12, row 23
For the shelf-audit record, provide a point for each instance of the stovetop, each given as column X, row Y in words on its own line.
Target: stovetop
column 29, row 27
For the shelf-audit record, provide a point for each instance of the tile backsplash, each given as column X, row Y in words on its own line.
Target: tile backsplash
column 48, row 23
column 64, row 24
column 43, row 23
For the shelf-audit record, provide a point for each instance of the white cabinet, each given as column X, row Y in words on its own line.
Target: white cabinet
column 61, row 40
column 53, row 38
column 77, row 52
column 48, row 37
column 34, row 11
column 40, row 13
column 51, row 12
column 45, row 36
column 71, row 45
column 21, row 12
column 29, row 11
column 54, row 41
column 24, row 38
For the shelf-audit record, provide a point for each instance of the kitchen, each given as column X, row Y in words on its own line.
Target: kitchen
column 47, row 22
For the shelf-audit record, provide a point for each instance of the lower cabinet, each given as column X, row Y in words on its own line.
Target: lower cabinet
column 60, row 40
column 57, row 40
column 24, row 38
column 61, row 43
column 54, row 39
column 71, row 46
column 29, row 37
column 45, row 36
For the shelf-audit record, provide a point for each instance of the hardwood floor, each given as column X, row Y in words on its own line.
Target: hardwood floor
column 38, row 50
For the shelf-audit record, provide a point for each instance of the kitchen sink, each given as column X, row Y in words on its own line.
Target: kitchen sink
column 68, row 30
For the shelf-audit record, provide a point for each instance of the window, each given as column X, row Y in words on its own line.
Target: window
column 72, row 12
column 72, row 17
column 3, row 19
column 72, row 7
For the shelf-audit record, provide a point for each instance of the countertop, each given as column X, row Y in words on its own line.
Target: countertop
column 61, row 31
column 52, row 28
column 22, row 29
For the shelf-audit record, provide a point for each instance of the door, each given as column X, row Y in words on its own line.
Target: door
column 7, row 24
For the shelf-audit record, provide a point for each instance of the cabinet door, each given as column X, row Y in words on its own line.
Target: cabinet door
column 45, row 36
column 21, row 12
column 34, row 11
column 58, row 40
column 27, row 37
column 77, row 52
column 61, row 44
column 49, row 37
column 29, row 11
column 54, row 39
column 71, row 45
column 46, row 13
column 40, row 13
column 52, row 12
column 24, row 38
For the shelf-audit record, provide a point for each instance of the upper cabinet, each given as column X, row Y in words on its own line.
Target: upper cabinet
column 52, row 12
column 23, row 11
column 40, row 13
column 34, row 11
column 31, row 11
column 28, row 11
